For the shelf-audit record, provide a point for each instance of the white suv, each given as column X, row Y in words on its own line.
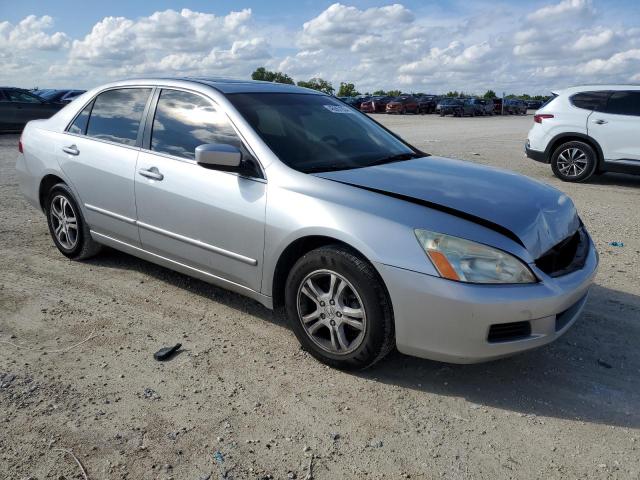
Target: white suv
column 586, row 130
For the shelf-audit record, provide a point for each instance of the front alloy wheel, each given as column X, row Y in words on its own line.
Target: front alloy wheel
column 339, row 309
column 331, row 312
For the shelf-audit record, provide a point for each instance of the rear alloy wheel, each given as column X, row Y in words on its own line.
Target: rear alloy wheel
column 574, row 162
column 66, row 224
column 338, row 308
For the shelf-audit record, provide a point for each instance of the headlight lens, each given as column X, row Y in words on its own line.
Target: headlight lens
column 467, row 261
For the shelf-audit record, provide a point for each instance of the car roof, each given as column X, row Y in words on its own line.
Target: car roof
column 596, row 87
column 224, row 85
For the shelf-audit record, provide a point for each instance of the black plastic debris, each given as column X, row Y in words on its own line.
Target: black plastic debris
column 604, row 364
column 166, row 353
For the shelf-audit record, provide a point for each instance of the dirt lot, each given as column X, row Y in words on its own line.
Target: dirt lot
column 243, row 401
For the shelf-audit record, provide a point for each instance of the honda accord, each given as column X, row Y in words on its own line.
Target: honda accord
column 297, row 200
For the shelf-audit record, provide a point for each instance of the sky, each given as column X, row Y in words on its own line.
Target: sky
column 420, row 46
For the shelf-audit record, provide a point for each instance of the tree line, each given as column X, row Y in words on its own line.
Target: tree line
column 349, row 89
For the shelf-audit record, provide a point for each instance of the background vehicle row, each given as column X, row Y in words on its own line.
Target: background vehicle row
column 18, row 106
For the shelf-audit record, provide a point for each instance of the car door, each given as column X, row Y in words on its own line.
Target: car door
column 207, row 219
column 617, row 127
column 7, row 114
column 98, row 154
column 28, row 107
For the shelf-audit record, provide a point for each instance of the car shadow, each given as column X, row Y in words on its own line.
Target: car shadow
column 110, row 258
column 616, row 179
column 591, row 374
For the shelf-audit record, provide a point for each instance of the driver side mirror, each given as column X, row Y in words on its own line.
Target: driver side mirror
column 218, row 156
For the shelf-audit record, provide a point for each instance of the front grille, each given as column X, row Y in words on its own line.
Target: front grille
column 507, row 332
column 567, row 256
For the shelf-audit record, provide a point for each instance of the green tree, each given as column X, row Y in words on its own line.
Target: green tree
column 347, row 90
column 394, row 93
column 318, row 84
column 262, row 73
column 453, row 94
column 489, row 94
column 379, row 92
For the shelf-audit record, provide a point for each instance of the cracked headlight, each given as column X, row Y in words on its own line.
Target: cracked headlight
column 466, row 261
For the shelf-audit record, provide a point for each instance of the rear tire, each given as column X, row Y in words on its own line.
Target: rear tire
column 68, row 229
column 339, row 309
column 574, row 161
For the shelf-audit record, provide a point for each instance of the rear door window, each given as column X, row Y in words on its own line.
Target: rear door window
column 624, row 103
column 591, row 100
column 116, row 115
column 184, row 120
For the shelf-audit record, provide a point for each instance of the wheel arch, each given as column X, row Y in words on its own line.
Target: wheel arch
column 47, row 182
column 298, row 248
column 574, row 136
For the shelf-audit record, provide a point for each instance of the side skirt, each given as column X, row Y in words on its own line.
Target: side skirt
column 182, row 268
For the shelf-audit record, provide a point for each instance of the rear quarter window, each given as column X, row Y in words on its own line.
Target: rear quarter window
column 79, row 125
column 590, row 100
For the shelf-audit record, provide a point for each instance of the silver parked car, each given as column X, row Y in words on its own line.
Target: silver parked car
column 295, row 199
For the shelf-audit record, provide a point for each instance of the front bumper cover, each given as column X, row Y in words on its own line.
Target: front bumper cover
column 450, row 321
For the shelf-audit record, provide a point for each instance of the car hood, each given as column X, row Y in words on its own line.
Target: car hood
column 530, row 212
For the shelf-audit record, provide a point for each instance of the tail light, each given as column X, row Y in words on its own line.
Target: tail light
column 20, row 145
column 538, row 117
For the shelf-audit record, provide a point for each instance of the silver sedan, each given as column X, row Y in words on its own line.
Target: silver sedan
column 295, row 199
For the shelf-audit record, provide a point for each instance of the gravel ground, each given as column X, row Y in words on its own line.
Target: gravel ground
column 243, row 401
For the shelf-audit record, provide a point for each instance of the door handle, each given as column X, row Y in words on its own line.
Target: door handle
column 600, row 122
column 71, row 150
column 152, row 173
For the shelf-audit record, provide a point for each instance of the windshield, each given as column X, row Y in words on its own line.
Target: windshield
column 46, row 94
column 315, row 133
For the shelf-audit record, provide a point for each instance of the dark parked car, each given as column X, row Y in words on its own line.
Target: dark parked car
column 403, row 104
column 376, row 104
column 18, row 106
column 488, row 106
column 513, row 106
column 534, row 104
column 427, row 103
column 458, row 107
column 348, row 100
column 58, row 96
column 497, row 105
column 481, row 106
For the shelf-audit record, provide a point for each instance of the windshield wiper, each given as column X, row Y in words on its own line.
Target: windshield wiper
column 401, row 157
column 341, row 166
column 329, row 168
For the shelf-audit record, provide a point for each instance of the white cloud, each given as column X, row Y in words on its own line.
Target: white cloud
column 593, row 41
column 178, row 42
column 30, row 34
column 566, row 9
column 379, row 47
column 339, row 26
column 623, row 62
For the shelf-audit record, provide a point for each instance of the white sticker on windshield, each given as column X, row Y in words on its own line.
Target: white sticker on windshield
column 338, row 108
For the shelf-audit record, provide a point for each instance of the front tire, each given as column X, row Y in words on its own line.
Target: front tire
column 339, row 309
column 68, row 229
column 574, row 162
